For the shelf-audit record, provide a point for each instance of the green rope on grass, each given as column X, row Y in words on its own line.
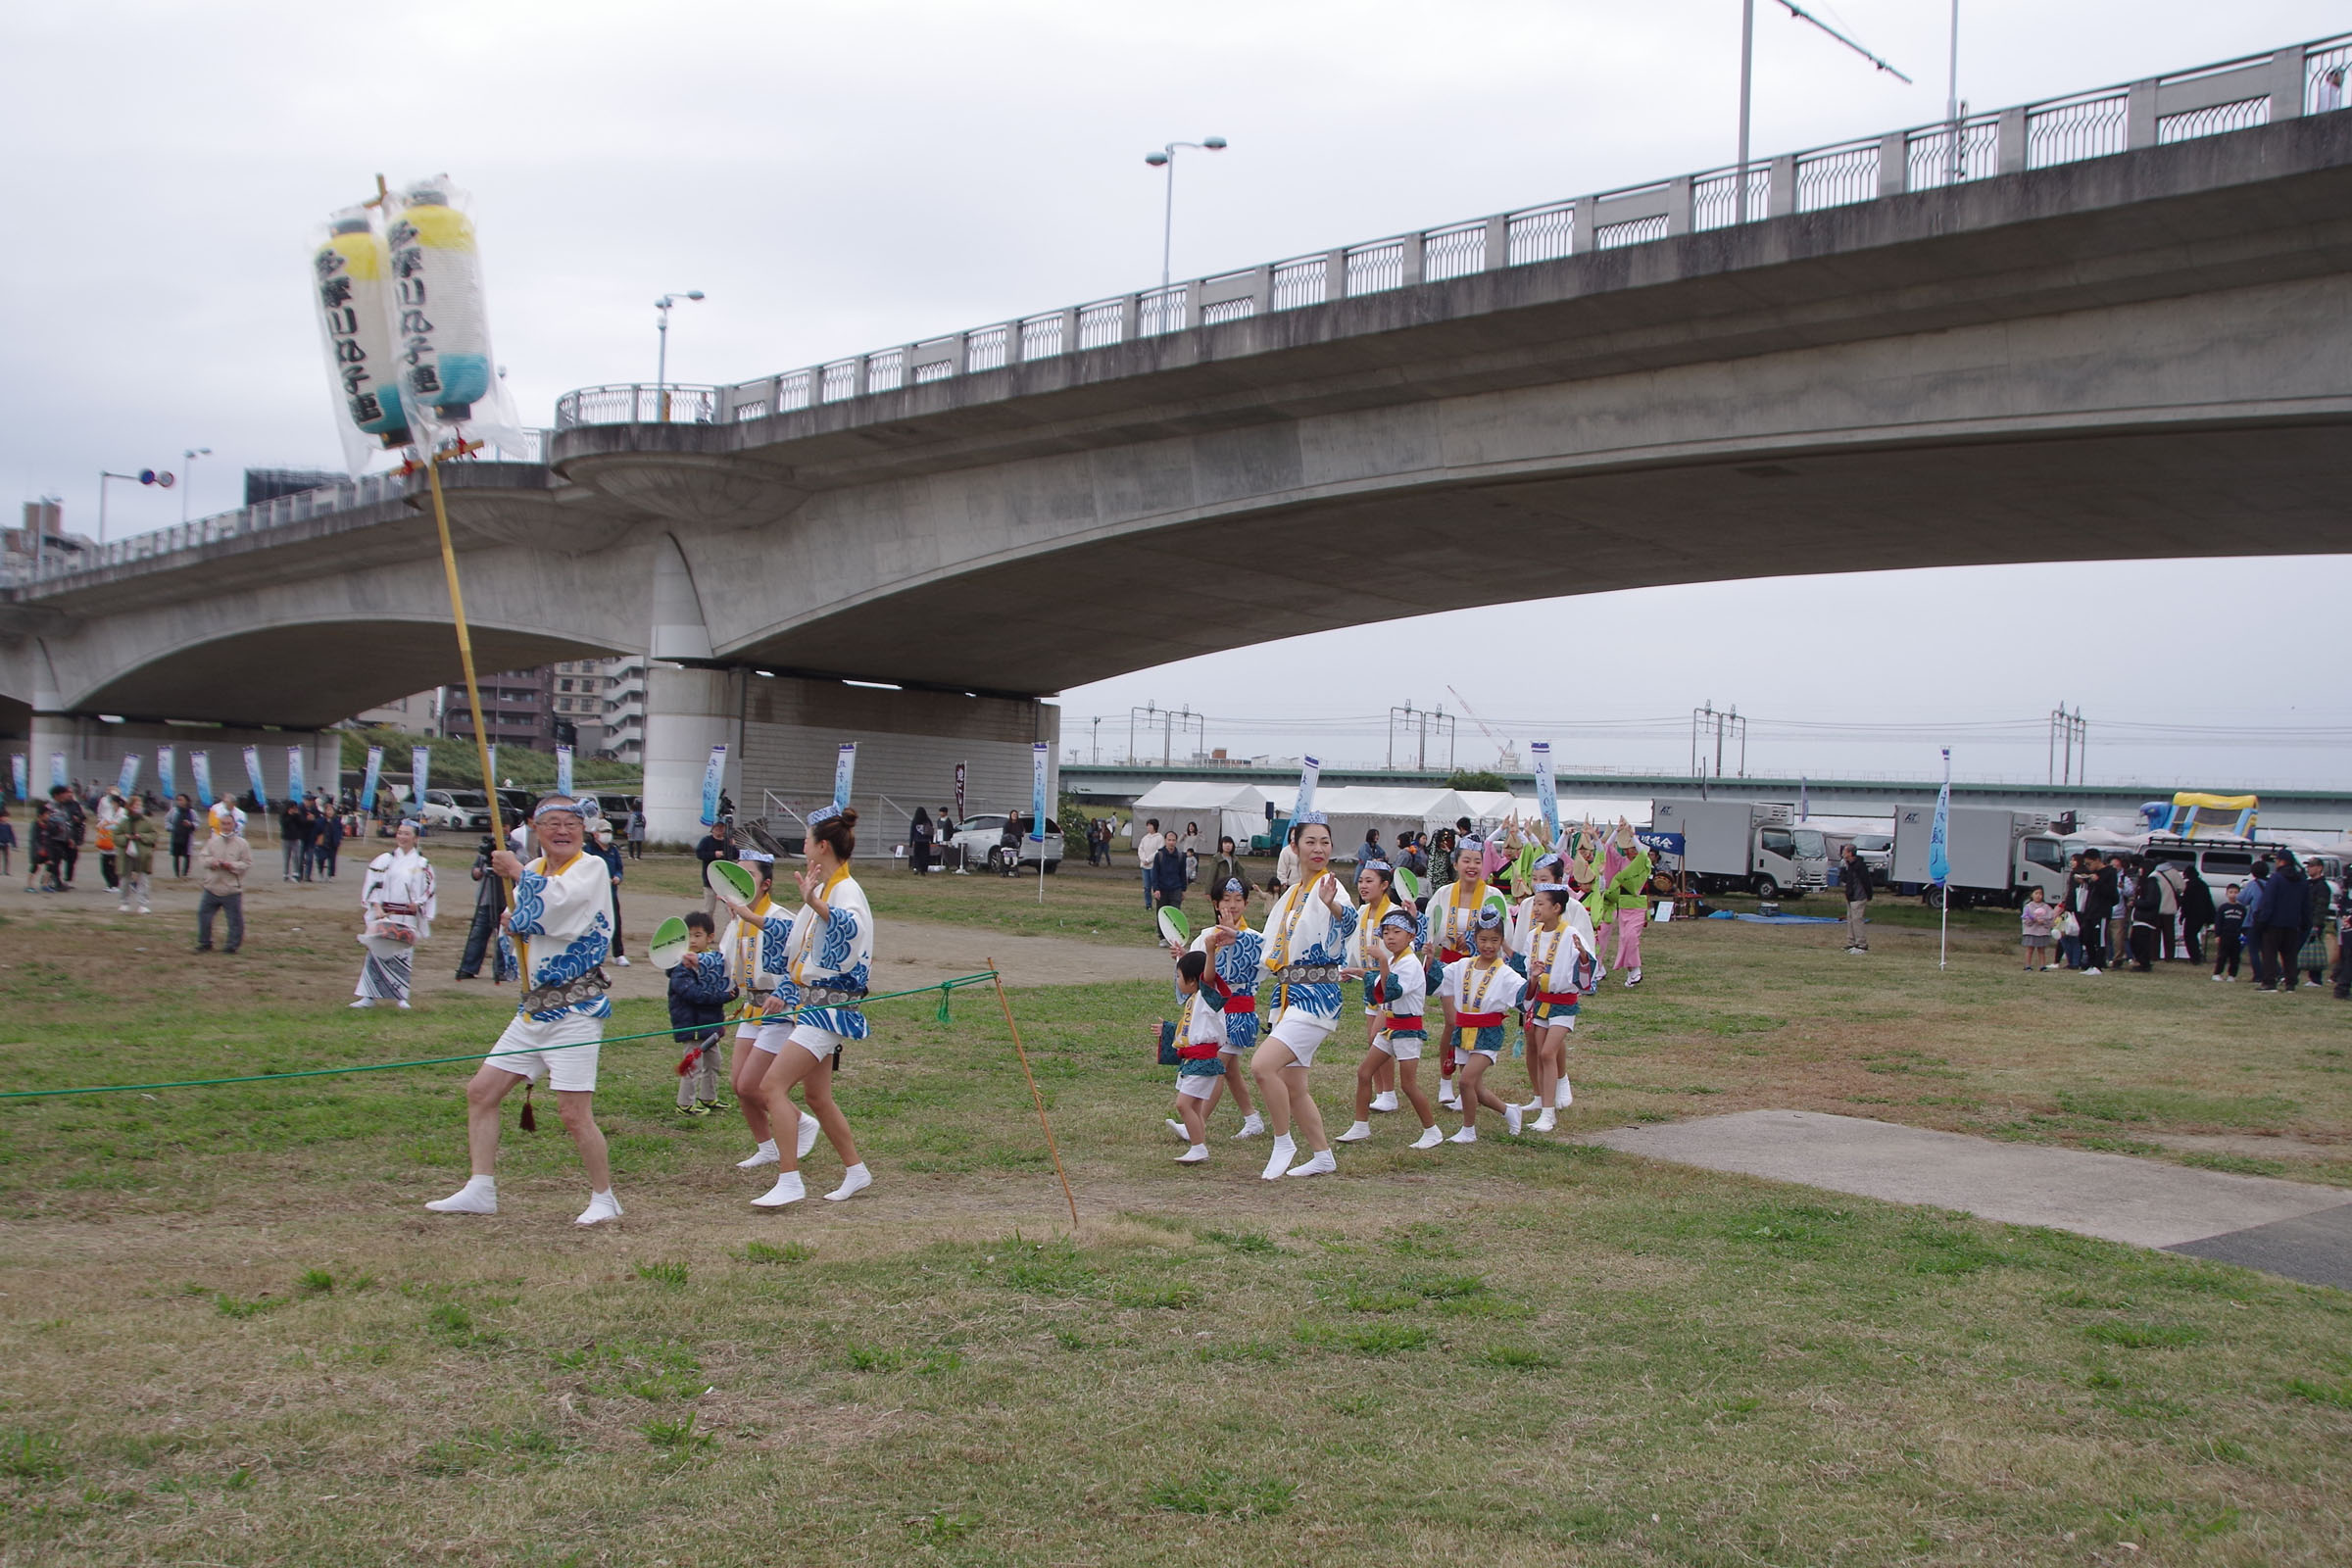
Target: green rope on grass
column 943, row 988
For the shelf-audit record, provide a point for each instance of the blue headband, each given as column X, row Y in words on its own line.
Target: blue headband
column 1233, row 884
column 823, row 814
column 1397, row 918
column 1489, row 918
column 1382, row 866
column 556, row 803
column 1312, row 819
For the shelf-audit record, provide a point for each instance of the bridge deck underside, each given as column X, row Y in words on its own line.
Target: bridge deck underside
column 1173, row 593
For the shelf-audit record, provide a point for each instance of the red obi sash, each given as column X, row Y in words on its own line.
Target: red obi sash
column 1557, row 999
column 1479, row 1021
column 1230, row 1001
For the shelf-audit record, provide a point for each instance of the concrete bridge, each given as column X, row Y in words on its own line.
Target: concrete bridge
column 2122, row 330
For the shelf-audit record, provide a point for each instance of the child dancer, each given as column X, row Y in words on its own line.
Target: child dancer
column 1375, row 881
column 1482, row 990
column 1561, row 964
column 1236, row 958
column 755, row 942
column 1199, row 1039
column 1453, row 914
column 699, row 993
column 1400, row 990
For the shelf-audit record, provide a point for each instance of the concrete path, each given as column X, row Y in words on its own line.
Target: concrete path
column 2288, row 1227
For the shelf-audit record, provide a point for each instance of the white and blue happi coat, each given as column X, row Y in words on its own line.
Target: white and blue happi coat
column 563, row 922
column 834, row 953
column 1237, row 967
column 1302, row 933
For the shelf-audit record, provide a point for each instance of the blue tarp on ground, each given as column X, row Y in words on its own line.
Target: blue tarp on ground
column 1779, row 919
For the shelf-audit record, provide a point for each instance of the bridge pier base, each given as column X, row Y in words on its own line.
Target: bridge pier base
column 687, row 712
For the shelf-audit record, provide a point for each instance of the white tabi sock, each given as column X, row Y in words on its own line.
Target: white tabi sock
column 765, row 1155
column 857, row 1179
column 1356, row 1133
column 788, row 1189
column 1468, row 1135
column 1278, row 1157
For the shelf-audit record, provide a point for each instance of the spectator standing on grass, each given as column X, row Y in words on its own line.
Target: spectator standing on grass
column 489, row 903
column 61, row 838
column 600, row 844
column 2280, row 921
column 2197, row 914
column 2228, row 934
column 222, row 862
column 2321, row 897
column 331, row 839
column 1853, row 876
column 2343, row 948
column 918, row 843
column 1370, row 849
column 2036, row 923
column 2118, row 923
column 1168, row 875
column 181, row 823
column 2098, row 907
column 134, row 845
column 1190, row 845
column 637, row 832
column 716, row 845
column 2169, row 878
column 108, row 818
column 2147, row 910
column 1227, row 867
column 1147, row 849
column 8, row 838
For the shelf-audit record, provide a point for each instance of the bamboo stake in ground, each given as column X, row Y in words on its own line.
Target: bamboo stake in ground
column 1005, row 1001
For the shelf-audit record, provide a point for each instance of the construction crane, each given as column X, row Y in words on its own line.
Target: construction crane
column 1507, row 756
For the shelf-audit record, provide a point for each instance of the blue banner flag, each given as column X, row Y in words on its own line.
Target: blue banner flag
column 1036, row 790
column 844, row 768
column 1940, row 860
column 253, row 776
column 167, row 772
column 200, row 768
column 1548, row 794
column 420, row 769
column 294, row 779
column 57, row 771
column 492, row 782
column 376, row 773
column 127, row 780
column 1309, row 771
column 563, row 770
column 714, row 772
column 19, row 772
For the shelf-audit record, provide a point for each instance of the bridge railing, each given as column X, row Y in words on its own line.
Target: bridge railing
column 2229, row 95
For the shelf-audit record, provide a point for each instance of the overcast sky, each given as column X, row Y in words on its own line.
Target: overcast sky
column 842, row 176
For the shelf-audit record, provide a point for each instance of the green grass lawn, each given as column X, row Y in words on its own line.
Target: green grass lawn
column 232, row 1337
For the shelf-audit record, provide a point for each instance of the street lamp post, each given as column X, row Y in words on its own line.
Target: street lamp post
column 1748, row 70
column 187, row 475
column 662, row 364
column 1166, row 159
column 143, row 477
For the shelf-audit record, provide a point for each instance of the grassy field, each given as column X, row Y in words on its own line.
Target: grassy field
column 232, row 1337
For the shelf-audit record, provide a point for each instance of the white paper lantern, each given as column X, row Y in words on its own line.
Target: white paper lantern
column 354, row 274
column 441, row 332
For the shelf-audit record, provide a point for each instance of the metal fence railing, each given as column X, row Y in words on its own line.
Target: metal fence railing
column 2211, row 100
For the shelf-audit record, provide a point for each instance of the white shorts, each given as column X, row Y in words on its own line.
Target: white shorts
column 1407, row 1049
column 563, row 1051
column 818, row 1043
column 1303, row 1032
column 1200, row 1087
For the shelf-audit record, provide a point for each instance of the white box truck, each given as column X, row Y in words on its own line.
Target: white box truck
column 1996, row 853
column 1744, row 846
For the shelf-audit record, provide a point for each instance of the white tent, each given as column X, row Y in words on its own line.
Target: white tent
column 1236, row 808
column 1353, row 807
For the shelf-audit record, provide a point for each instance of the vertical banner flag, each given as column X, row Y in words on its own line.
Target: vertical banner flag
column 128, row 778
column 376, row 773
column 1311, row 770
column 491, row 782
column 1940, row 860
column 294, row 779
column 844, row 766
column 563, row 770
column 420, row 769
column 1548, row 794
column 167, row 772
column 1036, row 790
column 253, row 776
column 960, row 770
column 19, row 775
column 200, row 769
column 1804, row 800
column 714, row 772
column 57, row 771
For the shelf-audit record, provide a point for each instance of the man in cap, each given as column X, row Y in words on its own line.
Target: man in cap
column 562, row 923
column 224, row 861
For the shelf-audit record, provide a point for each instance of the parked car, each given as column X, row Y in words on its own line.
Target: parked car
column 466, row 809
column 981, row 839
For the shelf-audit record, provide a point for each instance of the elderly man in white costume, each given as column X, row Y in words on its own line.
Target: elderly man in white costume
column 562, row 923
column 397, row 899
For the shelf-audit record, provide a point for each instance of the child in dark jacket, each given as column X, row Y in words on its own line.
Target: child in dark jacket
column 699, row 993
column 2229, row 935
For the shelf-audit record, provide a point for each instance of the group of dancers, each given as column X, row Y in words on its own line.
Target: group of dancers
column 1537, row 958
column 799, row 977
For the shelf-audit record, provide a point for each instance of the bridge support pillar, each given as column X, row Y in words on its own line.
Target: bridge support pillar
column 687, row 712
